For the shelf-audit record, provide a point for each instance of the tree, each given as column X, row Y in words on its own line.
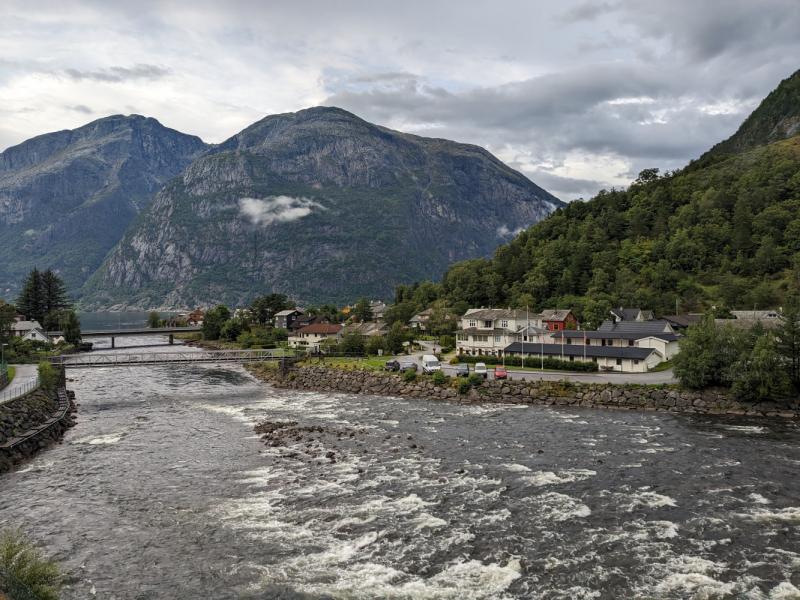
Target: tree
column 362, row 311
column 8, row 315
column 26, row 562
column 213, row 322
column 787, row 336
column 231, row 330
column 442, row 320
column 761, row 375
column 31, row 301
column 71, row 327
column 266, row 307
column 54, row 293
column 400, row 312
column 154, row 320
column 395, row 338
column 375, row 343
column 707, row 354
column 352, row 342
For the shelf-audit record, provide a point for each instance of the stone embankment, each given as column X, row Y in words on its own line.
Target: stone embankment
column 607, row 396
column 33, row 422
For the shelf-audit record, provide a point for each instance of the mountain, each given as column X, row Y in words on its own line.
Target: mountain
column 776, row 118
column 318, row 204
column 724, row 232
column 66, row 198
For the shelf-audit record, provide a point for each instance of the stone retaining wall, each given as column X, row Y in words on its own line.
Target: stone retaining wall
column 25, row 413
column 3, row 379
column 595, row 395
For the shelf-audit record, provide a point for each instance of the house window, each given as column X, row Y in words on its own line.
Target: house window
column 498, row 338
column 619, row 361
column 594, row 359
column 555, row 326
column 462, row 337
column 472, row 323
column 630, row 342
column 504, row 324
column 480, row 338
column 569, row 341
column 571, row 359
column 487, row 324
column 588, row 342
column 636, row 362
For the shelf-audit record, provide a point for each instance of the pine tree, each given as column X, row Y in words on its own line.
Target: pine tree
column 788, row 338
column 71, row 325
column 54, row 293
column 31, row 301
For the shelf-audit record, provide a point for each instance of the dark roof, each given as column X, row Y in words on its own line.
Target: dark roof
column 681, row 320
column 490, row 314
column 625, row 335
column 578, row 350
column 642, row 329
column 306, row 320
column 626, row 314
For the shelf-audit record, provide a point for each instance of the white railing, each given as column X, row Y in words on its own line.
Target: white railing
column 163, row 358
column 20, row 390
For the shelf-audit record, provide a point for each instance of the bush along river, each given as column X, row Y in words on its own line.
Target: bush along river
column 200, row 482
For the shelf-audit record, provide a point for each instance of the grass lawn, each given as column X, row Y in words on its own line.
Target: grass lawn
column 663, row 366
column 11, row 372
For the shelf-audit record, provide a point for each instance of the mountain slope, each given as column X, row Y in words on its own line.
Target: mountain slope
column 775, row 119
column 318, row 204
column 66, row 198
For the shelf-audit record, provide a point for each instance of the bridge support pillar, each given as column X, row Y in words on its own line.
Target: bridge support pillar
column 170, row 338
column 112, row 342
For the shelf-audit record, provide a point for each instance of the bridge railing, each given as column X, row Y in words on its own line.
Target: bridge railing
column 20, row 390
column 154, row 358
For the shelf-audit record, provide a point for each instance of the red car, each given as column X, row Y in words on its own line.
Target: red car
column 500, row 373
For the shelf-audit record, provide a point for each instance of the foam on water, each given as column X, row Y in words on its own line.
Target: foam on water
column 549, row 478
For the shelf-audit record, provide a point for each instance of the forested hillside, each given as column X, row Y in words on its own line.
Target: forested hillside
column 725, row 234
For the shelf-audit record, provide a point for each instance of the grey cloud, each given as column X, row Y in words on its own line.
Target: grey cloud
column 276, row 209
column 120, row 74
column 82, row 108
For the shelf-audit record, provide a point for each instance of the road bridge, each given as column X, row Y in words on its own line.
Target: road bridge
column 145, row 331
column 145, row 359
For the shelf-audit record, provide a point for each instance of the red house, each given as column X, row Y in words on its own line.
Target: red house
column 559, row 320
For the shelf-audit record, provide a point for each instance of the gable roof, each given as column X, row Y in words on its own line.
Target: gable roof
column 25, row 325
column 681, row 320
column 626, row 314
column 490, row 314
column 555, row 315
column 286, row 313
column 644, row 328
column 367, row 329
column 620, row 334
column 321, row 328
column 305, row 320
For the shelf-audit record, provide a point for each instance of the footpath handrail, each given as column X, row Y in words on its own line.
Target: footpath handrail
column 19, row 390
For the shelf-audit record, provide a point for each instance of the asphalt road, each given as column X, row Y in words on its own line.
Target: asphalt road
column 526, row 375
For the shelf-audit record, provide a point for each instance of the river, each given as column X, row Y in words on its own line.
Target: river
column 163, row 490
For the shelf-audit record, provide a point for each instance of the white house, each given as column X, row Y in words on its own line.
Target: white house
column 36, row 335
column 487, row 332
column 608, row 358
column 23, row 328
column 312, row 336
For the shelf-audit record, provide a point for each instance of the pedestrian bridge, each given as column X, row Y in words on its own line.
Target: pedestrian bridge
column 144, row 359
column 145, row 331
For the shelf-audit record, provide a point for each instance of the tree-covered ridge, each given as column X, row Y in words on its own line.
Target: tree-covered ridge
column 724, row 234
column 775, row 119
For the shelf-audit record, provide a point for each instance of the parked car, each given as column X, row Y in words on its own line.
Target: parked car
column 500, row 373
column 480, row 369
column 391, row 365
column 408, row 367
column 462, row 370
column 430, row 364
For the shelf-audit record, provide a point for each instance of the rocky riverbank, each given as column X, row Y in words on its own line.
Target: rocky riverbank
column 26, row 414
column 659, row 398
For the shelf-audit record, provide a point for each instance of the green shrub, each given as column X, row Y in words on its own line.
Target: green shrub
column 410, row 376
column 464, row 387
column 439, row 378
column 474, row 380
column 246, row 340
column 26, row 562
column 47, row 375
column 455, row 360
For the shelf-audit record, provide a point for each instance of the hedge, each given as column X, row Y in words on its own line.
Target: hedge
column 554, row 364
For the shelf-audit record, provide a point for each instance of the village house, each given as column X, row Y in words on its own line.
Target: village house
column 379, row 310
column 305, row 320
column 23, row 328
column 420, row 320
column 195, row 317
column 637, row 334
column 608, row 358
column 311, row 337
column 559, row 320
column 487, row 332
column 285, row 318
column 36, row 335
column 681, row 322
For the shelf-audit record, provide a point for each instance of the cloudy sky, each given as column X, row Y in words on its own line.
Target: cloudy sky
column 577, row 95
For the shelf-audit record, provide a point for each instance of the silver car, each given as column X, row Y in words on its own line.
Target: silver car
column 480, row 369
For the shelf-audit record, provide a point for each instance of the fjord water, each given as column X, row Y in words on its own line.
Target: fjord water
column 163, row 490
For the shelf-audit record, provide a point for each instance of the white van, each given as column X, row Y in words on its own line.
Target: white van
column 430, row 364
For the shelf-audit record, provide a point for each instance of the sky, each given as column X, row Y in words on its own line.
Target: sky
column 578, row 96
